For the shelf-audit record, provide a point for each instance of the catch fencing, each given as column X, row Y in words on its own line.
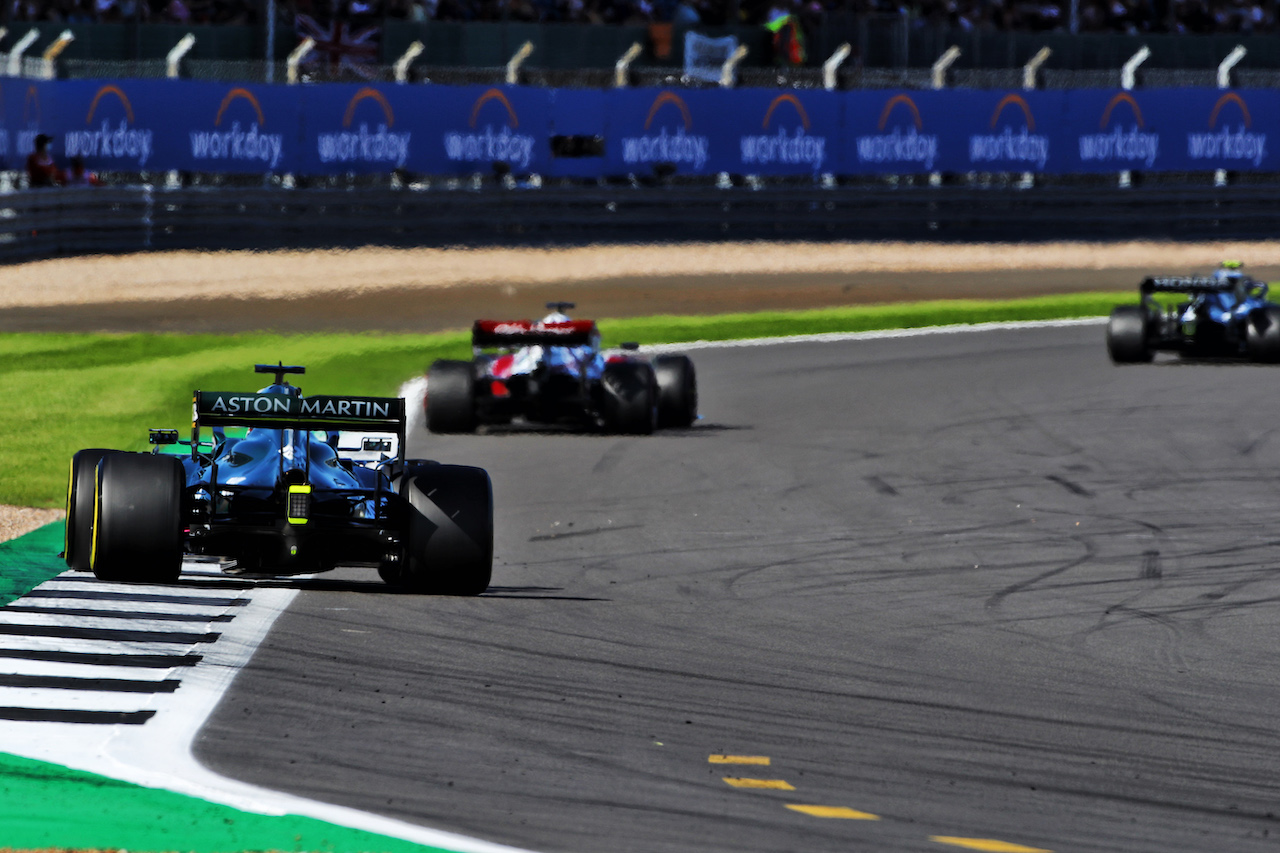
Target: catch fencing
column 45, row 223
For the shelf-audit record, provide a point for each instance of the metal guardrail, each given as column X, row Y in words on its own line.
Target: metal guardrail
column 47, row 223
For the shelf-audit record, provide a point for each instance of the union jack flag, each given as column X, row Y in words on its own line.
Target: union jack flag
column 339, row 48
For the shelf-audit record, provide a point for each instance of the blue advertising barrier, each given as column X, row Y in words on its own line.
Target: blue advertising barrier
column 158, row 125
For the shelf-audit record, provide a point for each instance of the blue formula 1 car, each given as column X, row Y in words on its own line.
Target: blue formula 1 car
column 1226, row 315
column 553, row 371
column 280, row 487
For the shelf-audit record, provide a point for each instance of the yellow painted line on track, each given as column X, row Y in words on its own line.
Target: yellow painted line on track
column 738, row 759
column 773, row 784
column 834, row 811
column 990, row 845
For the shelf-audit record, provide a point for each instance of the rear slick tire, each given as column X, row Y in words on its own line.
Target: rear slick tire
column 78, row 543
column 1262, row 335
column 1127, row 335
column 677, row 390
column 449, row 530
column 137, row 532
column 629, row 398
column 451, row 397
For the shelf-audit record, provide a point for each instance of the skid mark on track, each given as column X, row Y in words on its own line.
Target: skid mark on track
column 882, row 487
column 1070, row 485
column 610, row 458
column 1023, row 586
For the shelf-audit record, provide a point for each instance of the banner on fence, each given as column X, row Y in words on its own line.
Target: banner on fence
column 327, row 129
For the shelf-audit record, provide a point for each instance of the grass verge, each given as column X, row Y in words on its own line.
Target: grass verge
column 66, row 392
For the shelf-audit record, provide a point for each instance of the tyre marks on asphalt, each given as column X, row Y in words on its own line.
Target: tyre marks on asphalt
column 828, row 812
column 81, row 651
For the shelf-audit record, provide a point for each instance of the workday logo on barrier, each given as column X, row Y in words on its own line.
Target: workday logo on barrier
column 795, row 148
column 1023, row 145
column 1125, row 147
column 362, row 145
column 124, row 141
column 894, row 144
column 232, row 142
column 681, row 147
column 488, row 145
column 1242, row 145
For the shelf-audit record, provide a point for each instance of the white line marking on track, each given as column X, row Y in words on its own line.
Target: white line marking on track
column 155, row 750
column 840, row 337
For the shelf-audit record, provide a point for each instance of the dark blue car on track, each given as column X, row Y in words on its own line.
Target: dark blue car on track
column 1225, row 315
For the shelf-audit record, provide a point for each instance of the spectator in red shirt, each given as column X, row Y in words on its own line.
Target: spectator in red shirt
column 41, row 170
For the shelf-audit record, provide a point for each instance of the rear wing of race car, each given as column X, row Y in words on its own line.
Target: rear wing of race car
column 1177, row 284
column 520, row 333
column 285, row 411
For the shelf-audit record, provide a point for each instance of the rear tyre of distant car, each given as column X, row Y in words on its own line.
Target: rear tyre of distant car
column 677, row 390
column 137, row 530
column 451, row 397
column 78, row 542
column 449, row 530
column 629, row 398
column 1127, row 335
column 1262, row 335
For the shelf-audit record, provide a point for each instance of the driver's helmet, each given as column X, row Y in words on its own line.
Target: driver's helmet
column 282, row 388
column 554, row 317
column 1229, row 271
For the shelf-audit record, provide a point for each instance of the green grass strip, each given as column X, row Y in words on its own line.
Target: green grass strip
column 28, row 561
column 48, row 806
column 862, row 318
column 66, row 392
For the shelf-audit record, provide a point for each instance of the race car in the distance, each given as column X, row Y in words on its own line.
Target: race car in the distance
column 282, row 484
column 1225, row 315
column 553, row 371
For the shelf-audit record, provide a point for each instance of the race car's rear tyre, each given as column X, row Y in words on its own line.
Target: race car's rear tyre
column 451, row 397
column 677, row 390
column 629, row 398
column 1127, row 335
column 137, row 534
column 1262, row 335
column 449, row 530
column 78, row 543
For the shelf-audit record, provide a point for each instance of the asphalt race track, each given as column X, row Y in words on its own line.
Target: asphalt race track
column 982, row 586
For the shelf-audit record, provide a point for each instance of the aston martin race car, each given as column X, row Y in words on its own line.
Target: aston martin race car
column 1226, row 315
column 553, row 371
column 282, row 484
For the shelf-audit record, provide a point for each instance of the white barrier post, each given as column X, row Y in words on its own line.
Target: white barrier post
column 402, row 64
column 295, row 59
column 513, row 67
column 53, row 51
column 832, row 65
column 15, row 52
column 624, row 64
column 939, row 72
column 173, row 61
column 1029, row 72
column 1129, row 79
column 1224, row 82
column 729, row 70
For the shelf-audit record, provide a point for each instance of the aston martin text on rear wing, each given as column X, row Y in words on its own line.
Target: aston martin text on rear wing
column 514, row 333
column 1186, row 284
column 370, row 414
